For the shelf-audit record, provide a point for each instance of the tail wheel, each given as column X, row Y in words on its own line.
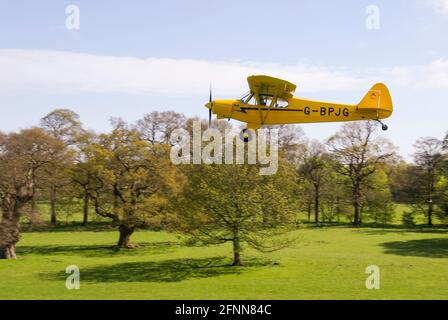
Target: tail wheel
column 246, row 135
column 384, row 126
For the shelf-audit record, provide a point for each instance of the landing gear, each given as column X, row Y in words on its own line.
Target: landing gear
column 384, row 126
column 246, row 135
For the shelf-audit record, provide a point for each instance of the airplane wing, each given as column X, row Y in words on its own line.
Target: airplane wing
column 265, row 85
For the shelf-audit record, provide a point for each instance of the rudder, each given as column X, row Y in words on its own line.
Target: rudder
column 377, row 99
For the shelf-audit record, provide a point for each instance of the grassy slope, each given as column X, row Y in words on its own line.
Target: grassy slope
column 325, row 264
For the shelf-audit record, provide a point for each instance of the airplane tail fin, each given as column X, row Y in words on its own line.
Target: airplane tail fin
column 378, row 100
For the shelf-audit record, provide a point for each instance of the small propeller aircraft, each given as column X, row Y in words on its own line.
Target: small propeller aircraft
column 270, row 101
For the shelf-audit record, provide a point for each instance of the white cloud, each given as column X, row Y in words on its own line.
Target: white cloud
column 440, row 6
column 56, row 72
column 433, row 75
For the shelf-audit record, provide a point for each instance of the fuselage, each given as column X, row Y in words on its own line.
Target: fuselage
column 297, row 111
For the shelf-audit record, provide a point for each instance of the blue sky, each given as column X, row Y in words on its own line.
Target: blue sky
column 132, row 57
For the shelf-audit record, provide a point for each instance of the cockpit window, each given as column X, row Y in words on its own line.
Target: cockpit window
column 248, row 98
column 281, row 103
column 245, row 97
column 264, row 100
column 251, row 100
column 273, row 102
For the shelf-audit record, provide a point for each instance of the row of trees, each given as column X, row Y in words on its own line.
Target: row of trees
column 126, row 176
column 356, row 167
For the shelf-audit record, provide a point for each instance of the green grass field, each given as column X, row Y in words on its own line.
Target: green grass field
column 326, row 263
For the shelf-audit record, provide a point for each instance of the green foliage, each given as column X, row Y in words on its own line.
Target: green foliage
column 358, row 152
column 131, row 180
column 408, row 218
column 378, row 204
column 233, row 203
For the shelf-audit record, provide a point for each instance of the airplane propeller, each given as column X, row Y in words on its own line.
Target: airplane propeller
column 210, row 109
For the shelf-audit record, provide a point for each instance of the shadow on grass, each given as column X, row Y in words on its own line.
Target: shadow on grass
column 94, row 226
column 164, row 271
column 98, row 250
column 386, row 229
column 429, row 248
column 380, row 229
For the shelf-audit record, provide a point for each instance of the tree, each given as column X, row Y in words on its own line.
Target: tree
column 229, row 203
column 22, row 155
column 378, row 199
column 291, row 141
column 429, row 157
column 156, row 127
column 333, row 195
column 82, row 173
column 403, row 182
column 55, row 180
column 64, row 125
column 442, row 198
column 132, row 181
column 314, row 168
column 358, row 153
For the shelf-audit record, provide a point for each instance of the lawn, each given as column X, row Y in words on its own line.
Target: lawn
column 326, row 263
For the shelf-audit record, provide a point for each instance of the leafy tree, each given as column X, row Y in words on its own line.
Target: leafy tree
column 156, row 127
column 378, row 198
column 306, row 197
column 408, row 218
column 315, row 169
column 429, row 158
column 292, row 142
column 358, row 153
column 132, row 181
column 64, row 125
column 22, row 156
column 233, row 203
column 403, row 181
column 333, row 194
column 81, row 173
column 54, row 180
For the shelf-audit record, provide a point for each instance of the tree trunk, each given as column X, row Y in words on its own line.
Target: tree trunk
column 316, row 203
column 54, row 219
column 430, row 211
column 356, row 205
column 356, row 215
column 9, row 236
column 125, row 236
column 8, row 252
column 85, row 210
column 33, row 203
column 430, row 200
column 11, row 206
column 338, row 209
column 236, row 250
column 309, row 211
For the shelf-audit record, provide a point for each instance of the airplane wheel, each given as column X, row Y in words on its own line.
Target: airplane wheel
column 246, row 135
column 385, row 127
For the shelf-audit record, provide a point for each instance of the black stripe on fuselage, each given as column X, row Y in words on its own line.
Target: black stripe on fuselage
column 273, row 109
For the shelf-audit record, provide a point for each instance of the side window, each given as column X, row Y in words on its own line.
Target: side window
column 268, row 101
column 265, row 100
column 282, row 103
column 252, row 101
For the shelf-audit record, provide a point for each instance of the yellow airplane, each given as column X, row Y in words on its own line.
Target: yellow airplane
column 270, row 101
